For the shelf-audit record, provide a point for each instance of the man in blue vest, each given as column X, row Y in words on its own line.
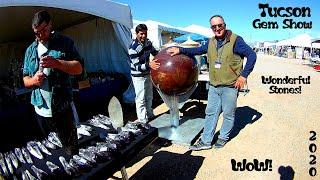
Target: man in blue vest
column 49, row 61
column 226, row 51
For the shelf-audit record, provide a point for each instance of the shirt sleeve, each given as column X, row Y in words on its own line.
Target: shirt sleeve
column 195, row 51
column 153, row 51
column 26, row 63
column 244, row 50
column 74, row 54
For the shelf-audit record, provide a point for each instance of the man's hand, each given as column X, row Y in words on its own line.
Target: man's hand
column 154, row 64
column 173, row 51
column 72, row 67
column 38, row 78
column 49, row 62
column 241, row 81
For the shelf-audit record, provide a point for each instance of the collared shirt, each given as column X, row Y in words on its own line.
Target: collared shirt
column 60, row 47
column 240, row 48
column 139, row 57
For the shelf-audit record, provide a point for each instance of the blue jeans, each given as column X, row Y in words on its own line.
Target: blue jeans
column 144, row 95
column 220, row 99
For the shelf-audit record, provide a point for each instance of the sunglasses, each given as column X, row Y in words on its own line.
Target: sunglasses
column 215, row 26
column 42, row 31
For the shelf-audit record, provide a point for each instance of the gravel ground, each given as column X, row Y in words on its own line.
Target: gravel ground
column 268, row 126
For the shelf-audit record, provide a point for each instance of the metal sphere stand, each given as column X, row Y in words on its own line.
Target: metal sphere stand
column 180, row 130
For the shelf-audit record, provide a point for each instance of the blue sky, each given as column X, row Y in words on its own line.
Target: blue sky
column 238, row 15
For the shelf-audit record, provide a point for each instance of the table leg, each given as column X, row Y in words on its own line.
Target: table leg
column 124, row 173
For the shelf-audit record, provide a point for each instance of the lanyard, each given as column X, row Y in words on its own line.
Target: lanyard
column 220, row 50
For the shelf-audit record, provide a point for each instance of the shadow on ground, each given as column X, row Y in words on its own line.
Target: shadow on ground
column 244, row 115
column 150, row 150
column 168, row 165
column 286, row 173
column 191, row 109
column 194, row 109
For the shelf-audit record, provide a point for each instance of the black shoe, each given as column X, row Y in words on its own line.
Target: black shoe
column 200, row 146
column 220, row 143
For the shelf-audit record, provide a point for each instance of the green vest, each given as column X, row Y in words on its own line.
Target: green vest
column 231, row 64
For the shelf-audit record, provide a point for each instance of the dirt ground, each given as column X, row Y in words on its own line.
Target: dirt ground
column 273, row 127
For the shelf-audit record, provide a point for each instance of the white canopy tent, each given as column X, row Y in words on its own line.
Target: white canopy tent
column 158, row 33
column 302, row 40
column 190, row 43
column 99, row 28
column 316, row 43
column 199, row 30
column 268, row 44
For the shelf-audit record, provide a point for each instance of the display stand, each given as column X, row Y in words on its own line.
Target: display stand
column 124, row 173
column 180, row 130
column 102, row 170
column 105, row 168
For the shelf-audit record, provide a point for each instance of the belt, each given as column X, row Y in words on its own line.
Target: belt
column 230, row 86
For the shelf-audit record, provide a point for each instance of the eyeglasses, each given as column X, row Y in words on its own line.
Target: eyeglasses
column 215, row 26
column 43, row 30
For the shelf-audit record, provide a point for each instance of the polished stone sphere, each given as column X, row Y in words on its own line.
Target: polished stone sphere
column 176, row 74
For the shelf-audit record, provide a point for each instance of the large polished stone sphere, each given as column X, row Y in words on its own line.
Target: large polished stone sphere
column 176, row 74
